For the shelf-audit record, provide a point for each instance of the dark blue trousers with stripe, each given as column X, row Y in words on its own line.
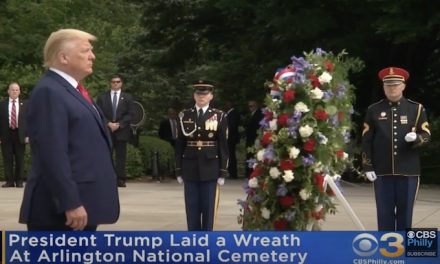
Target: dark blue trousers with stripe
column 395, row 196
column 200, row 204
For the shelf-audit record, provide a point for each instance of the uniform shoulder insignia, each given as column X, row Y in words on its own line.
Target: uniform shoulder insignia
column 376, row 103
column 217, row 110
column 413, row 102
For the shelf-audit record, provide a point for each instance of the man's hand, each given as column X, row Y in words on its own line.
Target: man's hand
column 221, row 181
column 411, row 137
column 179, row 180
column 371, row 175
column 113, row 126
column 76, row 218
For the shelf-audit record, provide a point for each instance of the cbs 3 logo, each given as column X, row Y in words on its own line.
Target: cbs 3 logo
column 366, row 245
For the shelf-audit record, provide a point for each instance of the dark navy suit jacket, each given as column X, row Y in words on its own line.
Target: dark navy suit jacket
column 71, row 157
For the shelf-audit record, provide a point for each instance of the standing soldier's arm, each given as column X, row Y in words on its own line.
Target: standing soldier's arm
column 179, row 147
column 223, row 146
column 421, row 128
column 367, row 142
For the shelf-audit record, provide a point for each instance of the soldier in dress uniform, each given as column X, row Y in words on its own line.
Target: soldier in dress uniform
column 394, row 129
column 201, row 157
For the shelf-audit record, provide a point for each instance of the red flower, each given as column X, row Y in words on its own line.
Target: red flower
column 268, row 115
column 286, row 201
column 266, row 139
column 329, row 65
column 340, row 153
column 256, row 172
column 287, row 164
column 319, row 181
column 288, row 96
column 280, row 224
column 314, row 80
column 321, row 114
column 309, row 145
column 282, row 119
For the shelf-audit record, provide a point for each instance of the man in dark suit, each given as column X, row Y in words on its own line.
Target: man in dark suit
column 201, row 157
column 251, row 130
column 117, row 107
column 13, row 136
column 394, row 130
column 168, row 127
column 72, row 183
column 233, row 117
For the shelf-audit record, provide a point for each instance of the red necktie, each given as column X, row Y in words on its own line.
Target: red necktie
column 13, row 115
column 84, row 93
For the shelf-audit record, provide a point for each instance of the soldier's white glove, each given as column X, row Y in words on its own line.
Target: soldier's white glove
column 371, row 175
column 411, row 137
column 221, row 181
column 179, row 180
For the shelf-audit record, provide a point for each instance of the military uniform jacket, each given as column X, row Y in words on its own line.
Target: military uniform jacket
column 201, row 146
column 384, row 149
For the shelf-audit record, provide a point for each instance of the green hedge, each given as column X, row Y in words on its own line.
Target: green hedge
column 139, row 160
column 148, row 146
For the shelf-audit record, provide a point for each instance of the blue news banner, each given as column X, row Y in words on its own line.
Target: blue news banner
column 412, row 246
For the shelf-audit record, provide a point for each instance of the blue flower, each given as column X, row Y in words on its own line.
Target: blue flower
column 251, row 162
column 340, row 91
column 257, row 198
column 269, row 153
column 320, row 52
column 300, row 63
column 308, row 160
column 282, row 190
column 289, row 215
column 327, row 95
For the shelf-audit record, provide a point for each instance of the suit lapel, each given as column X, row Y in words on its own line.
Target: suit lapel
column 93, row 109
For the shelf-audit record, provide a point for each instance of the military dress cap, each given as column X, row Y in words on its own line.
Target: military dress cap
column 393, row 75
column 203, row 87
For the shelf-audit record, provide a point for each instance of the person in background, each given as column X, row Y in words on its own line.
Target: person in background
column 117, row 107
column 13, row 136
column 233, row 117
column 394, row 129
column 72, row 183
column 201, row 157
column 168, row 127
column 251, row 130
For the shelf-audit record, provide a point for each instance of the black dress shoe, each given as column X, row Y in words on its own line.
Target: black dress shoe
column 8, row 184
column 121, row 184
column 19, row 184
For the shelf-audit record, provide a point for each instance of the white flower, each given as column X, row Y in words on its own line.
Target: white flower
column 305, row 131
column 317, row 167
column 260, row 155
column 316, row 93
column 288, row 176
column 274, row 172
column 325, row 77
column 301, row 107
column 294, row 152
column 318, row 208
column 273, row 125
column 265, row 213
column 253, row 183
column 345, row 156
column 305, row 194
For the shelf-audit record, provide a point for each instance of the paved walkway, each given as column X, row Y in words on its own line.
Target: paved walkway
column 160, row 206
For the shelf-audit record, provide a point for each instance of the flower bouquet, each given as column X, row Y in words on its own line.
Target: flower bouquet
column 302, row 140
